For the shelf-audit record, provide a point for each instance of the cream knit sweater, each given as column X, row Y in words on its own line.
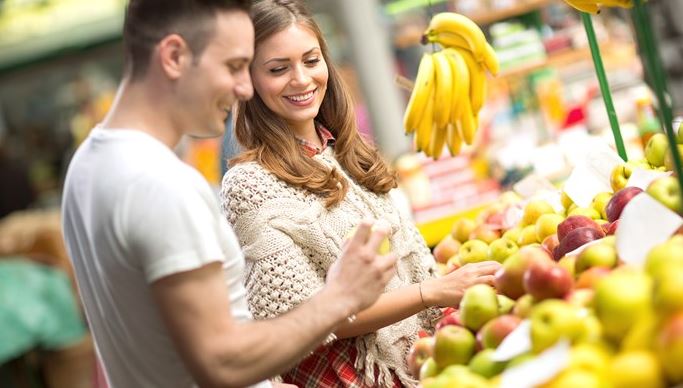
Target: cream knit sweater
column 290, row 240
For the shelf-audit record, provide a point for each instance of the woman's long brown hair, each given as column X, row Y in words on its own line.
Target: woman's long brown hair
column 267, row 139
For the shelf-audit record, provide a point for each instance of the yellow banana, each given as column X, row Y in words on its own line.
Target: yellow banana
column 438, row 141
column 453, row 139
column 468, row 124
column 477, row 80
column 443, row 89
column 422, row 91
column 587, row 7
column 491, row 59
column 423, row 134
column 461, row 86
column 448, row 39
column 459, row 25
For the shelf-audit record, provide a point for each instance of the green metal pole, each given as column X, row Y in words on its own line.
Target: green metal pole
column 604, row 85
column 653, row 66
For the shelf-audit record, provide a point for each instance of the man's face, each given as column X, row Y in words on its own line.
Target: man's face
column 218, row 77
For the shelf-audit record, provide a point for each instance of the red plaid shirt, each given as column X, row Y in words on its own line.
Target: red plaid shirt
column 330, row 366
column 326, row 139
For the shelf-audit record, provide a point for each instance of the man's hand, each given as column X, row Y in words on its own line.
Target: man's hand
column 361, row 274
column 447, row 291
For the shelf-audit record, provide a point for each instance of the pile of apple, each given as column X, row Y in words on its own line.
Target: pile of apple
column 562, row 272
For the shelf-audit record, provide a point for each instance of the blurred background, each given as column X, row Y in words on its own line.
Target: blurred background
column 61, row 60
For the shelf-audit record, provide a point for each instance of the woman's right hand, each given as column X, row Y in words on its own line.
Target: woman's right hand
column 448, row 290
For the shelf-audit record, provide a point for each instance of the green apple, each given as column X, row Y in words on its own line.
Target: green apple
column 566, row 201
column 598, row 255
column 505, row 304
column 552, row 320
column 527, row 236
column 509, row 278
column 478, row 306
column 384, row 247
column 599, row 203
column 636, row 369
column 663, row 256
column 620, row 297
column 668, row 291
column 656, row 148
column 501, row 249
column 484, row 365
column 513, row 233
column 589, row 357
column 585, row 211
column 547, row 225
column 523, row 306
column 453, row 345
column 429, row 369
column 668, row 159
column 569, row 264
column 620, row 176
column 462, row 229
column 572, row 378
column 535, row 209
column 474, row 251
column 460, row 376
column 667, row 191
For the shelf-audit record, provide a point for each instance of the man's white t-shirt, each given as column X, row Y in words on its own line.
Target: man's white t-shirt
column 133, row 213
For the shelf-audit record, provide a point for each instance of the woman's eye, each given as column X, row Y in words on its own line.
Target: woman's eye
column 276, row 70
column 312, row 61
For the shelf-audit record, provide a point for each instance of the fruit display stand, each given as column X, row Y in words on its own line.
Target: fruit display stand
column 588, row 294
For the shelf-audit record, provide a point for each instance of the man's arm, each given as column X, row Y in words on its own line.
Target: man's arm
column 219, row 351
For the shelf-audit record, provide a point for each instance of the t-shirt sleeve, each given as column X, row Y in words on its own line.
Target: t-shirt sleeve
column 172, row 226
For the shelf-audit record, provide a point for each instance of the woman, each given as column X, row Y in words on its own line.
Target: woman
column 305, row 179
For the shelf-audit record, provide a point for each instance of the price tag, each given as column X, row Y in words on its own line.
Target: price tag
column 584, row 184
column 642, row 178
column 516, row 343
column 644, row 223
column 538, row 370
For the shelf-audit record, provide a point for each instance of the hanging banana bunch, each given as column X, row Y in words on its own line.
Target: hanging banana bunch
column 450, row 87
column 593, row 6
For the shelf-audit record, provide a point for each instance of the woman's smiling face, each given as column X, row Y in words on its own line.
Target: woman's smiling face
column 290, row 75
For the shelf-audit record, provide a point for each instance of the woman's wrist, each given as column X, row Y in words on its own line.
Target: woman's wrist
column 426, row 293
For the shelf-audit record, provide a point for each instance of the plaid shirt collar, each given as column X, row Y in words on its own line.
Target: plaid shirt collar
column 326, row 138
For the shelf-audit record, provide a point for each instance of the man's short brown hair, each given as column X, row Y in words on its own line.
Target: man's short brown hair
column 147, row 22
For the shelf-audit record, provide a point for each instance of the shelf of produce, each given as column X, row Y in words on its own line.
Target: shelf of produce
column 612, row 53
column 483, row 18
column 456, row 192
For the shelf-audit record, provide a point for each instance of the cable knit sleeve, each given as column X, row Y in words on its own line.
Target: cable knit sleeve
column 281, row 272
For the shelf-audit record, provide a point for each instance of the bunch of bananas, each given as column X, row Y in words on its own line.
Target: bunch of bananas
column 593, row 6
column 450, row 87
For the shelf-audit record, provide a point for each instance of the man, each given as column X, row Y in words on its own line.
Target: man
column 158, row 268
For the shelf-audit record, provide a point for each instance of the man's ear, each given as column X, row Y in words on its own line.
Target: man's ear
column 174, row 55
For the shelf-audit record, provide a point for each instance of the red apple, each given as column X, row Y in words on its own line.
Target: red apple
column 547, row 280
column 619, row 200
column 485, row 233
column 495, row 330
column 445, row 249
column 669, row 348
column 577, row 238
column 550, row 243
column 450, row 318
column 574, row 222
column 590, row 277
column 610, row 228
column 421, row 350
column 509, row 278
